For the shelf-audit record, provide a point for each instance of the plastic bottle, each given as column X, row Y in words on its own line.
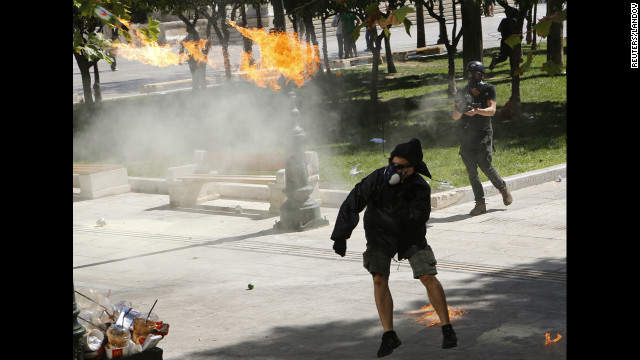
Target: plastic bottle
column 445, row 185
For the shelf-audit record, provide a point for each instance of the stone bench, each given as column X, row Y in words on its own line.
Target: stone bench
column 397, row 56
column 97, row 181
column 243, row 176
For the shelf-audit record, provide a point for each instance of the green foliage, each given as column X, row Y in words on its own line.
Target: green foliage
column 543, row 26
column 151, row 31
column 395, row 17
column 86, row 40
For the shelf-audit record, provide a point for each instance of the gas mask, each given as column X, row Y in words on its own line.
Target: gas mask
column 391, row 175
column 475, row 68
column 474, row 82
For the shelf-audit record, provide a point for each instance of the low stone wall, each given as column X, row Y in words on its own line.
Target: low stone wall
column 334, row 198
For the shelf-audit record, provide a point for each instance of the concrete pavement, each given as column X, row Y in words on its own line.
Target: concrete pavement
column 505, row 270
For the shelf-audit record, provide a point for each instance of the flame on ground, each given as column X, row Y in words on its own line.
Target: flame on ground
column 280, row 54
column 427, row 315
column 548, row 340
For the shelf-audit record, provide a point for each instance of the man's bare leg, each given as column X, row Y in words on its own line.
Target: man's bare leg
column 435, row 292
column 438, row 300
column 384, row 301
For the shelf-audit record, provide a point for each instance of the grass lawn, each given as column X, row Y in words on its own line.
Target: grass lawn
column 337, row 115
column 415, row 104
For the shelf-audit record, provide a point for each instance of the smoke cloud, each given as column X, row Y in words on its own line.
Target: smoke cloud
column 234, row 117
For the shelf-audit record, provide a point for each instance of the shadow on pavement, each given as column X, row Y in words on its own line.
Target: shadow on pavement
column 459, row 217
column 333, row 340
column 505, row 318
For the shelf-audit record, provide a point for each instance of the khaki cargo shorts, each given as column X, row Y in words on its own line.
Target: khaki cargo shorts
column 422, row 262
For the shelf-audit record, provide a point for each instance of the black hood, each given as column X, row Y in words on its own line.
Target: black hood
column 412, row 151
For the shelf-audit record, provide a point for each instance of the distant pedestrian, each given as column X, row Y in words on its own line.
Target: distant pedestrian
column 475, row 104
column 113, row 35
column 398, row 204
column 508, row 26
column 350, row 22
column 489, row 7
column 337, row 23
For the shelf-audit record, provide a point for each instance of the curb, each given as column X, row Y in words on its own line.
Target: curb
column 444, row 199
column 439, row 200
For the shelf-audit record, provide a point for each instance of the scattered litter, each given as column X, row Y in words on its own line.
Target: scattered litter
column 238, row 209
column 378, row 140
column 115, row 331
column 250, row 286
column 101, row 222
column 355, row 171
column 445, row 185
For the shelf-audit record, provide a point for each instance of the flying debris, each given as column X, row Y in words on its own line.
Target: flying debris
column 355, row 171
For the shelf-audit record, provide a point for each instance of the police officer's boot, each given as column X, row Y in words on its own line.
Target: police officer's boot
column 480, row 208
column 506, row 195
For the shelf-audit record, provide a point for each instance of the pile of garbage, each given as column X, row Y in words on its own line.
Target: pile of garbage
column 116, row 330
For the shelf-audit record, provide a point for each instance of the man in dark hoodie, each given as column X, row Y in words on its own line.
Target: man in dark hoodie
column 398, row 203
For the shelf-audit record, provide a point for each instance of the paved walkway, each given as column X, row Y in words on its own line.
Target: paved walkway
column 505, row 270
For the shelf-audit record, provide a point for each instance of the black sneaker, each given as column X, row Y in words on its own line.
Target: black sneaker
column 449, row 339
column 390, row 341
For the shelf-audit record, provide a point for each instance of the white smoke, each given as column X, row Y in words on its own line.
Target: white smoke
column 235, row 117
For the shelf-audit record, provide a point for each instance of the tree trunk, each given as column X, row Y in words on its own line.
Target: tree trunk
column 421, row 40
column 528, row 18
column 84, row 66
column 310, row 30
column 258, row 16
column 278, row 15
column 325, row 51
column 377, row 46
column 391, row 67
column 555, row 48
column 96, row 82
column 451, row 76
column 534, row 43
column 471, row 32
column 514, row 62
column 247, row 43
column 225, row 47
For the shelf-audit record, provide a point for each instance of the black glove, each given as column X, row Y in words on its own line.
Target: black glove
column 340, row 247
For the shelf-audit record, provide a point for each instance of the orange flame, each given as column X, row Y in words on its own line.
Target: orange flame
column 146, row 52
column 548, row 340
column 195, row 48
column 427, row 315
column 150, row 52
column 280, row 54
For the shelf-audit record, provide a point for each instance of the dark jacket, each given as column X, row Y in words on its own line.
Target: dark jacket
column 395, row 218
